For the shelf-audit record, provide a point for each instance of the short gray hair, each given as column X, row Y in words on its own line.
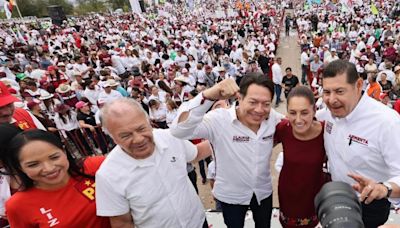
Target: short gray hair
column 113, row 109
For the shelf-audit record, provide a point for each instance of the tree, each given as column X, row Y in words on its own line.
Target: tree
column 67, row 7
column 116, row 4
column 88, row 6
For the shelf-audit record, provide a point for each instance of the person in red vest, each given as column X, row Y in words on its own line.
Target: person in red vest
column 17, row 116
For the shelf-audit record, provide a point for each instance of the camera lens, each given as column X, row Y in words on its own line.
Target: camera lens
column 338, row 206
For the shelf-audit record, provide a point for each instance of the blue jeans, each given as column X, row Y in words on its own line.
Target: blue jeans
column 278, row 91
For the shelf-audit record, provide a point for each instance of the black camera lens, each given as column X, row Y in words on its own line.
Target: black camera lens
column 337, row 206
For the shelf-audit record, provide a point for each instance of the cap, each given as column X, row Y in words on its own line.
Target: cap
column 50, row 68
column 80, row 104
column 61, row 64
column 326, row 45
column 33, row 103
column 5, row 96
column 333, row 49
column 364, row 58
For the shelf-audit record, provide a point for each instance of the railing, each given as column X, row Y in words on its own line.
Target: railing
column 81, row 143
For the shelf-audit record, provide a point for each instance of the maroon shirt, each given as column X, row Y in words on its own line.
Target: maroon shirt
column 301, row 176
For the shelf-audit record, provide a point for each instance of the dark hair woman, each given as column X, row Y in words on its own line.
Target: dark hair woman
column 302, row 174
column 54, row 188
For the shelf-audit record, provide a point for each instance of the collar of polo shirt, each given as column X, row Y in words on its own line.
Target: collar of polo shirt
column 232, row 113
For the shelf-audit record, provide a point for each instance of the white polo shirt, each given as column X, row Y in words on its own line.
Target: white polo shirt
column 156, row 190
column 365, row 142
column 242, row 157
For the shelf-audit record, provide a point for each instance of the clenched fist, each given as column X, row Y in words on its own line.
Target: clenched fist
column 223, row 90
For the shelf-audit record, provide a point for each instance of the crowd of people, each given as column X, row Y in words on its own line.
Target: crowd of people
column 141, row 86
column 366, row 38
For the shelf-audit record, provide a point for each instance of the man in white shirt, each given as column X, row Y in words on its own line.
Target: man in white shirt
column 277, row 77
column 92, row 92
column 304, row 60
column 362, row 141
column 81, row 67
column 143, row 181
column 108, row 94
column 242, row 138
column 332, row 57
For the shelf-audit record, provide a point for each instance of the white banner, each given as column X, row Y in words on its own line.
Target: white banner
column 135, row 6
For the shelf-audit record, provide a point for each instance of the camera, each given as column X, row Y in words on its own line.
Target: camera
column 337, row 206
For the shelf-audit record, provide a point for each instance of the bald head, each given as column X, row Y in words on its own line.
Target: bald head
column 115, row 110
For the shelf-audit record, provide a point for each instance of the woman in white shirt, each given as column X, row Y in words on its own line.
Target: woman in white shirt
column 172, row 111
column 66, row 121
column 158, row 113
column 157, row 94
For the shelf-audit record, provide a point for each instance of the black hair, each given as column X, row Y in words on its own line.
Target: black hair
column 258, row 79
column 288, row 68
column 301, row 91
column 12, row 163
column 153, row 102
column 162, row 85
column 339, row 67
column 7, row 132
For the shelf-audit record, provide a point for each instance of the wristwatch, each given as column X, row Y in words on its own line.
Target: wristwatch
column 388, row 187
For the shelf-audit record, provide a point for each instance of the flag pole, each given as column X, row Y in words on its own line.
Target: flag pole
column 16, row 5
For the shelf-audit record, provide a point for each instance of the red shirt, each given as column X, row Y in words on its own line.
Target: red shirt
column 396, row 106
column 23, row 120
column 73, row 205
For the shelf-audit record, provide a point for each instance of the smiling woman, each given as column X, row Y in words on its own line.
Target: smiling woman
column 301, row 176
column 54, row 188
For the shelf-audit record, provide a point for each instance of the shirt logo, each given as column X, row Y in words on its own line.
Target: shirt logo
column 173, row 159
column 266, row 138
column 356, row 139
column 87, row 188
column 51, row 220
column 241, row 138
column 329, row 127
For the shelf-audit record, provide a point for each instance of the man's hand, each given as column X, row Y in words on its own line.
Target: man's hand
column 369, row 189
column 223, row 90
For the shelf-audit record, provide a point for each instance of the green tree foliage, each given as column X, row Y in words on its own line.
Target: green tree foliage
column 89, row 6
column 123, row 4
column 38, row 8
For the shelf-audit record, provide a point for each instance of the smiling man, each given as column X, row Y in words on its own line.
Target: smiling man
column 362, row 141
column 242, row 138
column 143, row 181
column 16, row 116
